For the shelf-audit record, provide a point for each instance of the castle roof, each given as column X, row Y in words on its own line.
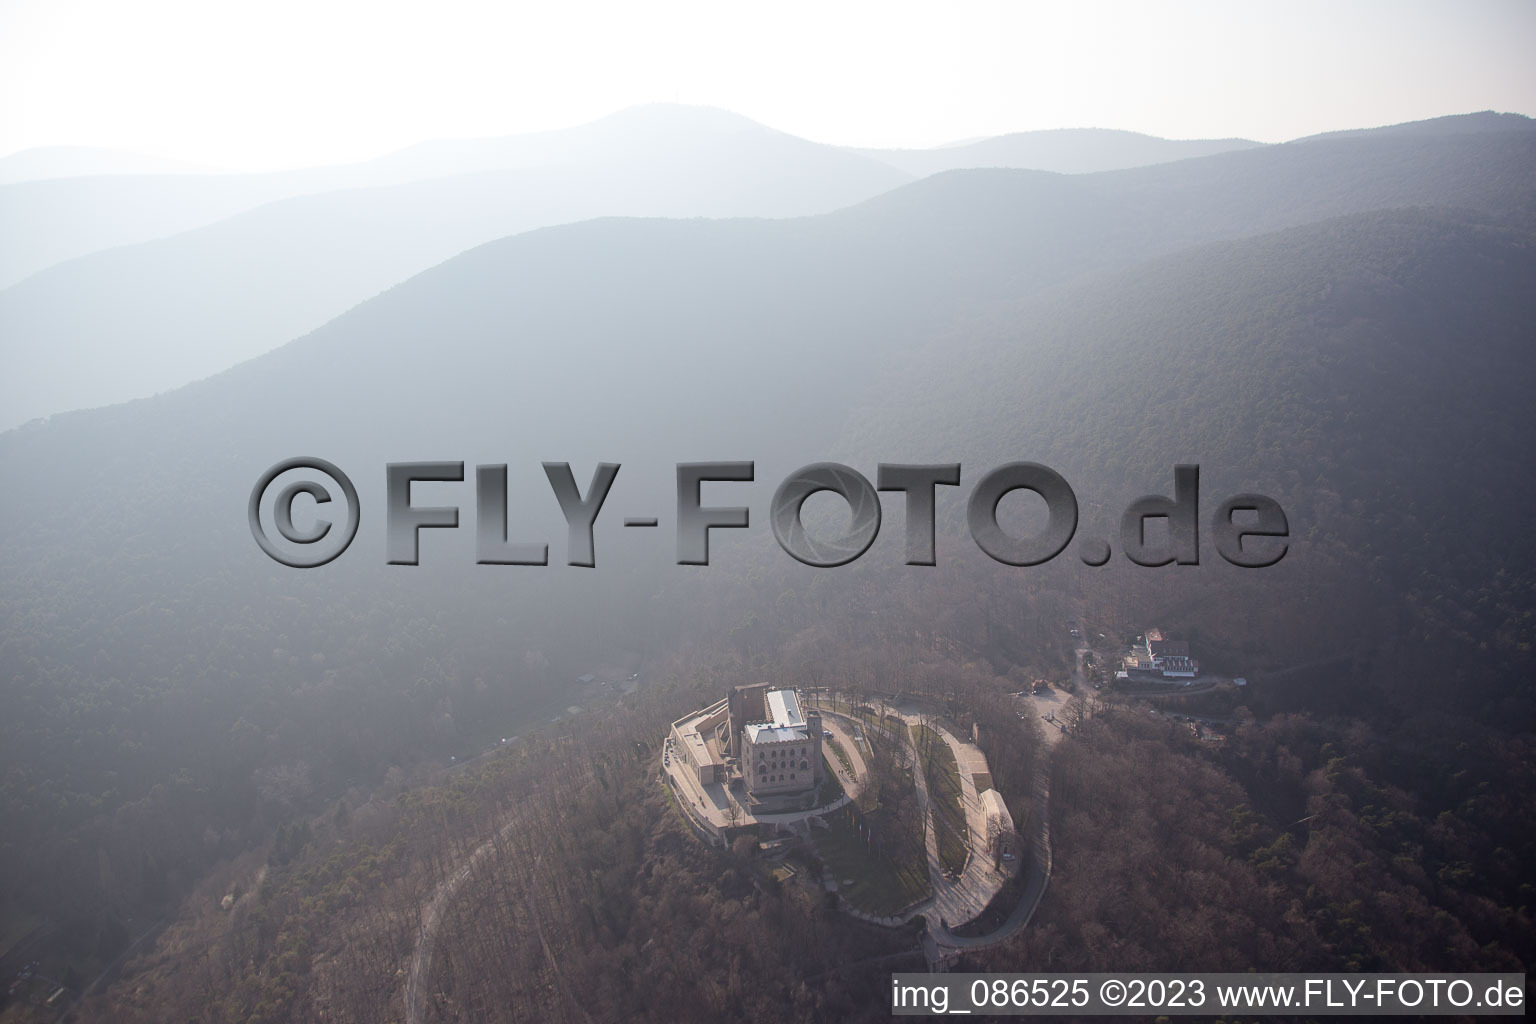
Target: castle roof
column 785, row 720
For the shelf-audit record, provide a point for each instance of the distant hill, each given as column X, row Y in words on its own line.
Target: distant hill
column 1064, row 151
column 48, row 162
column 134, row 321
column 626, row 135
column 46, row 222
column 1453, row 124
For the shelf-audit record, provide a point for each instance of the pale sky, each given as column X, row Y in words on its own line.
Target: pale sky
column 287, row 83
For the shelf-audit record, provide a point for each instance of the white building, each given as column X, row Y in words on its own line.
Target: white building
column 1159, row 657
column 692, row 740
column 781, row 755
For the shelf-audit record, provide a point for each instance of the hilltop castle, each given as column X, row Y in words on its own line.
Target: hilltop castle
column 759, row 744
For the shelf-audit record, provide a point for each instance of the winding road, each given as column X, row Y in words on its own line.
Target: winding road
column 432, row 920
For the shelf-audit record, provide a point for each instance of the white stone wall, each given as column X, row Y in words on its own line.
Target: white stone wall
column 787, row 766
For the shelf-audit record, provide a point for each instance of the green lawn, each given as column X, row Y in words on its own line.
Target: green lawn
column 883, row 884
column 944, row 797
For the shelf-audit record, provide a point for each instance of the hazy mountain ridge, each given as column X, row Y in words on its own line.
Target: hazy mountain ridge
column 151, row 317
column 624, row 135
column 1450, row 124
column 207, row 299
column 864, row 281
column 45, row 222
column 49, row 214
column 1062, row 151
column 47, row 162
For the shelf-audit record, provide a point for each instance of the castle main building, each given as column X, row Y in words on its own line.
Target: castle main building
column 781, row 756
column 776, row 745
column 756, row 751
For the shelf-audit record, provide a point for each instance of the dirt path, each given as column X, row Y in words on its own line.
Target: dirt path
column 432, row 920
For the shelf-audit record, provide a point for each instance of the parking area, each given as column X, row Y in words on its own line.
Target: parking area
column 1048, row 705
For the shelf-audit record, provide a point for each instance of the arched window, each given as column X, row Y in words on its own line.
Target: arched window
column 804, row 765
column 791, row 776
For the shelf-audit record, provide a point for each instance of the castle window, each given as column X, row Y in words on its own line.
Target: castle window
column 804, row 765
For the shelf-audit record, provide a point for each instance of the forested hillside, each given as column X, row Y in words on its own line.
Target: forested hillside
column 1343, row 324
column 1369, row 373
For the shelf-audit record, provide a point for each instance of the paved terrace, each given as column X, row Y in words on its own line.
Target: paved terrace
column 958, row 900
column 710, row 806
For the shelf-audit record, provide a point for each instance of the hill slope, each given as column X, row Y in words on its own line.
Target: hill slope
column 1368, row 372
